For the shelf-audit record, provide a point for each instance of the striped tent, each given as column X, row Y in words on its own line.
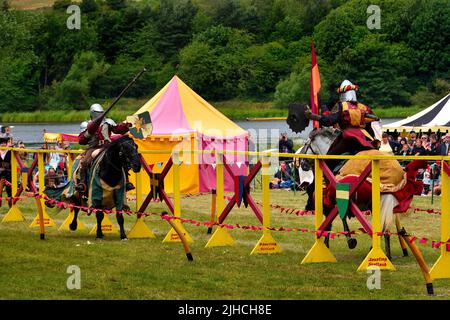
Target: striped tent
column 183, row 120
column 434, row 118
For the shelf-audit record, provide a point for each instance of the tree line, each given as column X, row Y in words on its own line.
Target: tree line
column 224, row 49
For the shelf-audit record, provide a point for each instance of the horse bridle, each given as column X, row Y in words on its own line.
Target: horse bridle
column 127, row 162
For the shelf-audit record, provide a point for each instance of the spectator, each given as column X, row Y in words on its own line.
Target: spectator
column 412, row 138
column 426, row 182
column 283, row 177
column 444, row 148
column 434, row 145
column 5, row 167
column 285, row 145
column 388, row 145
column 403, row 141
column 425, row 142
column 406, row 151
column 22, row 155
column 418, row 149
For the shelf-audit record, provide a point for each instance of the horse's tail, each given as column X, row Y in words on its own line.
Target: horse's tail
column 388, row 203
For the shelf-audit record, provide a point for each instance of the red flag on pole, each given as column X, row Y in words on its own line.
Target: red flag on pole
column 314, row 84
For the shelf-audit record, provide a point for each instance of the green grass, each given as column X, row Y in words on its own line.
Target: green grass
column 150, row 269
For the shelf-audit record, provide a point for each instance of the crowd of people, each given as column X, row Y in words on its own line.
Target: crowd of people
column 287, row 177
column 55, row 164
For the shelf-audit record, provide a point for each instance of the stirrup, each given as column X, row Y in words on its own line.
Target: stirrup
column 81, row 187
column 129, row 186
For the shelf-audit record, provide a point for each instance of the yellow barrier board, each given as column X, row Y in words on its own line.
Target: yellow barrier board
column 376, row 259
column 172, row 235
column 68, row 221
column 48, row 222
column 266, row 245
column 107, row 227
column 140, row 230
column 441, row 268
column 220, row 238
column 14, row 215
column 319, row 253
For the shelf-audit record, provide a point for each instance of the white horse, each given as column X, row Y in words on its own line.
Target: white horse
column 319, row 142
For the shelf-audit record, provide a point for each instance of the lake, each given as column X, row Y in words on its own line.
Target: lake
column 33, row 132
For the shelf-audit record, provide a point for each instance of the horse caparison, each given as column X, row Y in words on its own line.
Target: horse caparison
column 107, row 174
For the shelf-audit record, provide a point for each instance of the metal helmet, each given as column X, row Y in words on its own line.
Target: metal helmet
column 96, row 110
column 83, row 126
column 347, row 91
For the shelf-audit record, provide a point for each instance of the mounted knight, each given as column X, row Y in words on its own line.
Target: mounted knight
column 353, row 118
column 96, row 133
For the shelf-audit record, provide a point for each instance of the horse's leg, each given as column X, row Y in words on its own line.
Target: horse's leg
column 327, row 237
column 120, row 221
column 99, row 215
column 351, row 242
column 310, row 192
column 387, row 246
column 74, row 224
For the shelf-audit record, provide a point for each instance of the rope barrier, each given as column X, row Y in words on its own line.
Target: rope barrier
column 332, row 234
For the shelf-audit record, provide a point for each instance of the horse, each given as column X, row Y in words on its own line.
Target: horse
column 319, row 142
column 107, row 180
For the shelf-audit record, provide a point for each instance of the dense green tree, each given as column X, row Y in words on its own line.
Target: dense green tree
column 89, row 6
column 18, row 81
column 74, row 91
column 430, row 39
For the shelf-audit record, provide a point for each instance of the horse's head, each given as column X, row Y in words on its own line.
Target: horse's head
column 319, row 142
column 127, row 153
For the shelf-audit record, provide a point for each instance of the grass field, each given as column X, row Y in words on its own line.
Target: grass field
column 150, row 269
column 33, row 4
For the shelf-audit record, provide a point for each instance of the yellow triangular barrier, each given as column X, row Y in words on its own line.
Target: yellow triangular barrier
column 441, row 269
column 319, row 253
column 376, row 259
column 107, row 226
column 14, row 214
column 48, row 222
column 140, row 230
column 68, row 221
column 266, row 244
column 172, row 235
column 220, row 238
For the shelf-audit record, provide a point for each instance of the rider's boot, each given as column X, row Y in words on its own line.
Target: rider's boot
column 129, row 186
column 81, row 187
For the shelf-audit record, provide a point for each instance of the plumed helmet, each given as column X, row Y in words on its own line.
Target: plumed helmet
column 347, row 91
column 96, row 110
column 83, row 126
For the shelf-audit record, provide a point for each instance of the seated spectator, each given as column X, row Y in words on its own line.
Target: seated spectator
column 412, row 138
column 406, row 151
column 444, row 148
column 418, row 149
column 388, row 145
column 434, row 145
column 425, row 142
column 283, row 177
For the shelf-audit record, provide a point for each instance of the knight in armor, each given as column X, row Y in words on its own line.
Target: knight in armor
column 353, row 118
column 96, row 134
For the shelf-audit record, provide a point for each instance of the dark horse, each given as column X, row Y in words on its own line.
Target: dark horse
column 107, row 179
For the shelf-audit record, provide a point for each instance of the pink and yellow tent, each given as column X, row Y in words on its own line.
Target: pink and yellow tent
column 183, row 120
